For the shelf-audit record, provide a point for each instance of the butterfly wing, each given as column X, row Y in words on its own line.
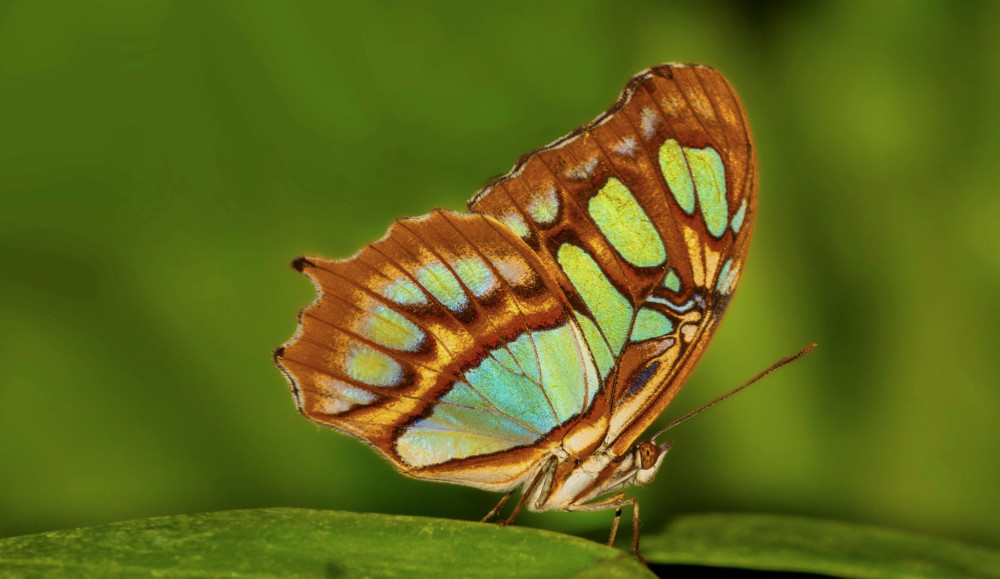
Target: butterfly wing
column 580, row 291
column 446, row 346
column 643, row 217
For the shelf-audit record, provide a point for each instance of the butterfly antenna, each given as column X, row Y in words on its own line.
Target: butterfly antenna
column 772, row 368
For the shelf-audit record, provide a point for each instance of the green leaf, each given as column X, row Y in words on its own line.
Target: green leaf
column 782, row 543
column 307, row 543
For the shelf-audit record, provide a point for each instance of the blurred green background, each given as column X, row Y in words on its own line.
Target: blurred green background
column 161, row 163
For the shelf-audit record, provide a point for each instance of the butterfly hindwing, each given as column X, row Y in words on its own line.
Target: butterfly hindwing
column 444, row 341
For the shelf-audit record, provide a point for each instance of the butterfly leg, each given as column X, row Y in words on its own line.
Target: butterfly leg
column 497, row 508
column 539, row 486
column 617, row 502
column 614, row 527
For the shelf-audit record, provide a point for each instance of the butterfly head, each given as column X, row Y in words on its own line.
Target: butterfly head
column 648, row 458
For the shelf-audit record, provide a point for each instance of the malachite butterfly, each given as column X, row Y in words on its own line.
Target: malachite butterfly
column 527, row 343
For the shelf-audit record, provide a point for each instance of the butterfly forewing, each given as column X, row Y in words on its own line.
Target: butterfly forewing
column 644, row 217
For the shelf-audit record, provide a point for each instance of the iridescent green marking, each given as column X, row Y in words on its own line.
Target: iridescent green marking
column 510, row 391
column 493, row 423
column 710, row 182
column 369, row 366
column 626, row 226
column 553, row 359
column 462, row 426
column 727, row 277
column 519, row 357
column 672, row 282
column 404, row 292
column 510, row 359
column 675, row 171
column 723, row 274
column 390, row 329
column 501, row 407
column 436, row 279
column 691, row 171
column 568, row 374
column 738, row 218
column 475, row 275
column 609, row 307
column 598, row 347
column 516, row 223
column 544, row 206
column 426, row 446
column 650, row 324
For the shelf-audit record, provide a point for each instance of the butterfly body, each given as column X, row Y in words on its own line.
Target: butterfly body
column 529, row 342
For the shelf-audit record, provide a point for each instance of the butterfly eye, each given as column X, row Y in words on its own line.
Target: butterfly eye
column 648, row 453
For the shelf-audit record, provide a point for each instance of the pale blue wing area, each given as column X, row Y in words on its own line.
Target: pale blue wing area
column 480, row 420
column 568, row 372
column 507, row 427
column 428, row 445
column 541, row 381
column 547, row 377
column 725, row 279
column 650, row 324
column 512, row 393
column 462, row 425
column 738, row 218
column 519, row 358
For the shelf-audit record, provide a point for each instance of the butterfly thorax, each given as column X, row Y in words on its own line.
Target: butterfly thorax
column 568, row 483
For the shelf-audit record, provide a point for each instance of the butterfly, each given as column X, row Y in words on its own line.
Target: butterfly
column 528, row 343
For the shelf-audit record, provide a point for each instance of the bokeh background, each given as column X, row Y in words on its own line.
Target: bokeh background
column 162, row 162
